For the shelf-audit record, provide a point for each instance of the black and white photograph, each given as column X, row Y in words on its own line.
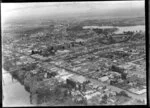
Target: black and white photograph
column 87, row 53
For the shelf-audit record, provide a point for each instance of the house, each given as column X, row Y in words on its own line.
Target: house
column 39, row 57
column 64, row 77
column 111, row 100
column 100, row 87
column 62, row 72
column 88, row 92
column 34, row 71
column 89, row 96
column 132, row 90
column 79, row 40
column 63, row 51
column 95, row 86
column 94, row 101
column 103, row 79
column 78, row 99
column 18, row 63
column 121, row 100
column 79, row 79
column 141, row 91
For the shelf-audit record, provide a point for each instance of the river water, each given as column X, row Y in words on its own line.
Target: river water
column 120, row 29
column 14, row 93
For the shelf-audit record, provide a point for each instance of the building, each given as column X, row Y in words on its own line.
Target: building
column 39, row 57
column 89, row 96
column 77, row 82
column 103, row 79
column 141, row 91
column 79, row 40
column 134, row 90
column 93, row 99
column 62, row 52
column 63, row 77
column 117, row 69
column 66, row 77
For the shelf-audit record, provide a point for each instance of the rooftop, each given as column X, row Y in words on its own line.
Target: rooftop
column 78, row 78
column 79, row 40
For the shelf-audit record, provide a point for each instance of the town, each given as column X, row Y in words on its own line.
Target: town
column 87, row 70
column 78, row 62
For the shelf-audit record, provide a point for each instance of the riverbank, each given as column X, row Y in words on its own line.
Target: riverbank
column 18, row 94
column 14, row 93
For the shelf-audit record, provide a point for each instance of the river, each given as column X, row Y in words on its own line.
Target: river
column 120, row 28
column 14, row 93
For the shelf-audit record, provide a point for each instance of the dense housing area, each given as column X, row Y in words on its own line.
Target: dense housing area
column 79, row 63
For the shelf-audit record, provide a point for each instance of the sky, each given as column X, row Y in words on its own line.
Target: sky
column 45, row 9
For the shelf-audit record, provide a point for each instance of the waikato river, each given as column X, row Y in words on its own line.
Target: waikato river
column 120, row 28
column 14, row 94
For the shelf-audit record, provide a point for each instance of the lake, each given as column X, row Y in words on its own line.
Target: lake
column 120, row 28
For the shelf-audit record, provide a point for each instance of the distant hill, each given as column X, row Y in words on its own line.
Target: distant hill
column 44, row 13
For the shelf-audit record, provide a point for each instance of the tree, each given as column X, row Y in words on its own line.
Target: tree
column 104, row 87
column 129, row 33
column 98, row 31
column 7, row 64
column 124, row 76
column 104, row 99
column 123, row 93
column 117, row 69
